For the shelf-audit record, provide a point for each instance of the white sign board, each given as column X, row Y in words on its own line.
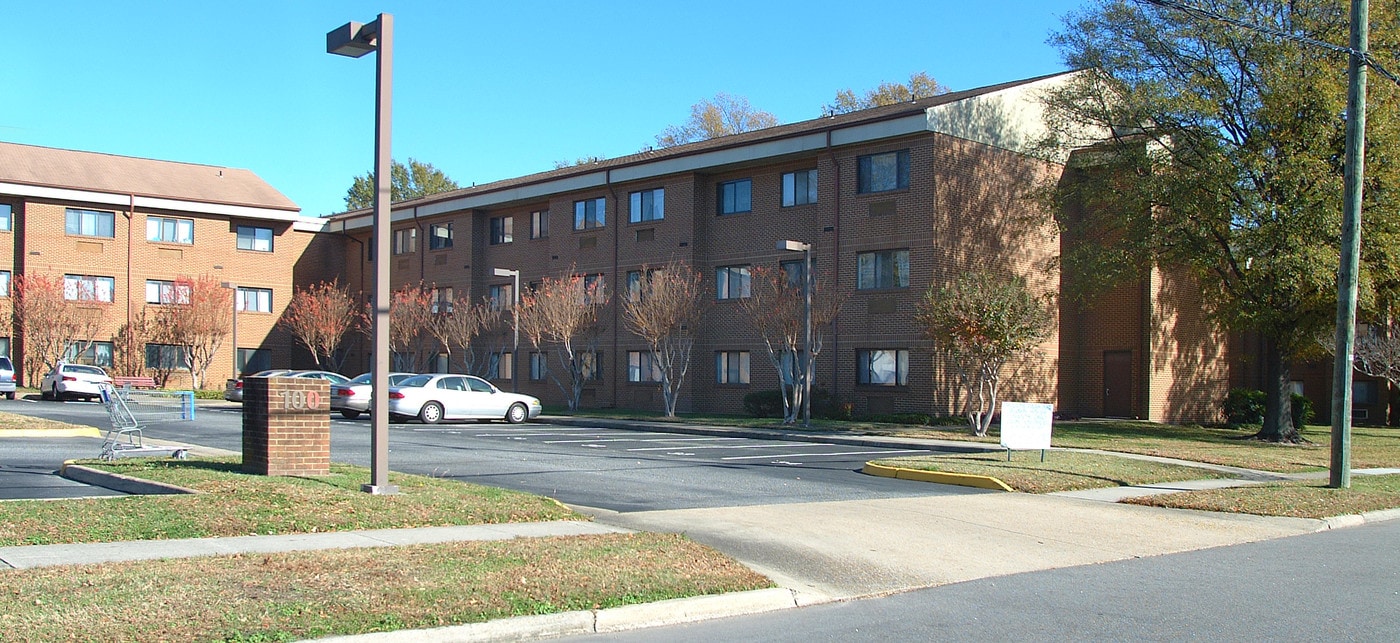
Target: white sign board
column 1026, row 426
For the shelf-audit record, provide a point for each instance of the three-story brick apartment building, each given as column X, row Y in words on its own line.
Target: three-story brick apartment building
column 895, row 200
column 120, row 230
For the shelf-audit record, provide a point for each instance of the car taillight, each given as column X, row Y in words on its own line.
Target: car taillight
column 395, row 395
column 238, row 384
column 345, row 392
column 69, row 378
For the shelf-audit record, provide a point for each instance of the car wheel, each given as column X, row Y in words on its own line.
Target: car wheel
column 45, row 395
column 349, row 414
column 517, row 413
column 431, row 413
column 10, row 395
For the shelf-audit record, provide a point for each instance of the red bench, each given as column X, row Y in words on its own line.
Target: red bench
column 122, row 381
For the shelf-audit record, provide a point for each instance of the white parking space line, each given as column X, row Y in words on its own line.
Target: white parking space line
column 808, row 455
column 645, row 440
column 787, row 445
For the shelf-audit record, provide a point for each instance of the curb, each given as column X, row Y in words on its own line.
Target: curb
column 1356, row 520
column 960, row 479
column 584, row 622
column 84, row 432
column 117, row 481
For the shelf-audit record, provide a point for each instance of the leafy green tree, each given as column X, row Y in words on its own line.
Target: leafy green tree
column 406, row 182
column 722, row 116
column 1223, row 157
column 978, row 323
column 920, row 85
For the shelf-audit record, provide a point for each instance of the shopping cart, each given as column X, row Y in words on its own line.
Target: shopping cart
column 124, row 438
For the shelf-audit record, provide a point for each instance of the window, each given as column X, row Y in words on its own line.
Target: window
column 4, row 346
column 255, row 238
column 88, row 288
column 883, row 367
column 735, row 196
column 257, row 300
column 442, row 300
column 90, row 223
column 165, row 356
column 539, row 224
column 252, row 360
column 591, row 366
column 647, row 205
column 539, row 366
column 641, row 367
column 90, row 353
column 4, row 283
column 168, row 230
column 441, row 363
column 731, row 282
column 502, row 296
column 405, row 241
column 502, row 230
column 7, row 217
column 167, row 292
column 1364, row 392
column 440, row 236
column 882, row 172
column 732, row 367
column 499, row 368
column 799, row 188
column 793, row 271
column 595, row 290
column 590, row 214
column 635, row 283
column 882, row 269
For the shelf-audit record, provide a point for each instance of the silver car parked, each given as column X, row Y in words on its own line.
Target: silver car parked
column 352, row 398
column 433, row 398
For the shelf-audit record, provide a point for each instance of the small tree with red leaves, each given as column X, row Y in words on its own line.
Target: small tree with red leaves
column 319, row 316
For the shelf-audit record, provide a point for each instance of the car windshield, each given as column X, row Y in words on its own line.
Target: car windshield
column 416, row 381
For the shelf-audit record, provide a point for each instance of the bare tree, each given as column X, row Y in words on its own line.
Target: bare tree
column 410, row 314
column 457, row 327
column 775, row 308
column 979, row 322
column 920, row 85
column 665, row 311
column 53, row 317
column 722, row 116
column 563, row 313
column 318, row 316
column 129, row 355
column 196, row 320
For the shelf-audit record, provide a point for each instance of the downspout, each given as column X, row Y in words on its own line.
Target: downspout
column 835, row 268
column 617, row 239
column 421, row 246
column 130, row 219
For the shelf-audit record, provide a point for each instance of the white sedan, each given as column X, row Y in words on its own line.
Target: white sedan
column 433, row 398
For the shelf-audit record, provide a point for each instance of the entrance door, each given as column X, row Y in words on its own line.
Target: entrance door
column 1118, row 383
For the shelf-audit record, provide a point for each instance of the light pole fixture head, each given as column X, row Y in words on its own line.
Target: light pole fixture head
column 353, row 39
column 794, row 246
column 503, row 272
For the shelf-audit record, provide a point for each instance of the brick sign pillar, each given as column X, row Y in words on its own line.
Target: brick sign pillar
column 286, row 426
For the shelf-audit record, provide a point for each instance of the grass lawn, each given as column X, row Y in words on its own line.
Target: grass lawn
column 12, row 421
column 1061, row 471
column 1299, row 499
column 233, row 503
column 300, row 595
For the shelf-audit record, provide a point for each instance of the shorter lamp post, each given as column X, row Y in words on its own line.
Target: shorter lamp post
column 234, row 287
column 806, row 250
column 515, row 325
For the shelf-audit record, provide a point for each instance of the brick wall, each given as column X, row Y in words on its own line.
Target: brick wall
column 286, row 426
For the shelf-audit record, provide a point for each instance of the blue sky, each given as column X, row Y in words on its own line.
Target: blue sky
column 483, row 90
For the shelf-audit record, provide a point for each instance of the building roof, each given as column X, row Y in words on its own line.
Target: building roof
column 46, row 167
column 702, row 152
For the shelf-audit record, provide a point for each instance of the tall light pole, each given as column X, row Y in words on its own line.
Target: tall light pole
column 806, row 250
column 515, row 326
column 234, row 287
column 354, row 40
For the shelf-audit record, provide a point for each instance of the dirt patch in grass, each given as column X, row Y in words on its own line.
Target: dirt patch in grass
column 1061, row 471
column 1300, row 499
column 233, row 503
column 294, row 596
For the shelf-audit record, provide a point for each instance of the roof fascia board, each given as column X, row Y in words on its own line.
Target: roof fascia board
column 123, row 200
column 912, row 124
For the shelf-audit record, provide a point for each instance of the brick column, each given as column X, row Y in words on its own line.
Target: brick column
column 286, row 426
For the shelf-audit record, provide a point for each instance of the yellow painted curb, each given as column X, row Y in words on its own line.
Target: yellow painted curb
column 79, row 432
column 960, row 479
